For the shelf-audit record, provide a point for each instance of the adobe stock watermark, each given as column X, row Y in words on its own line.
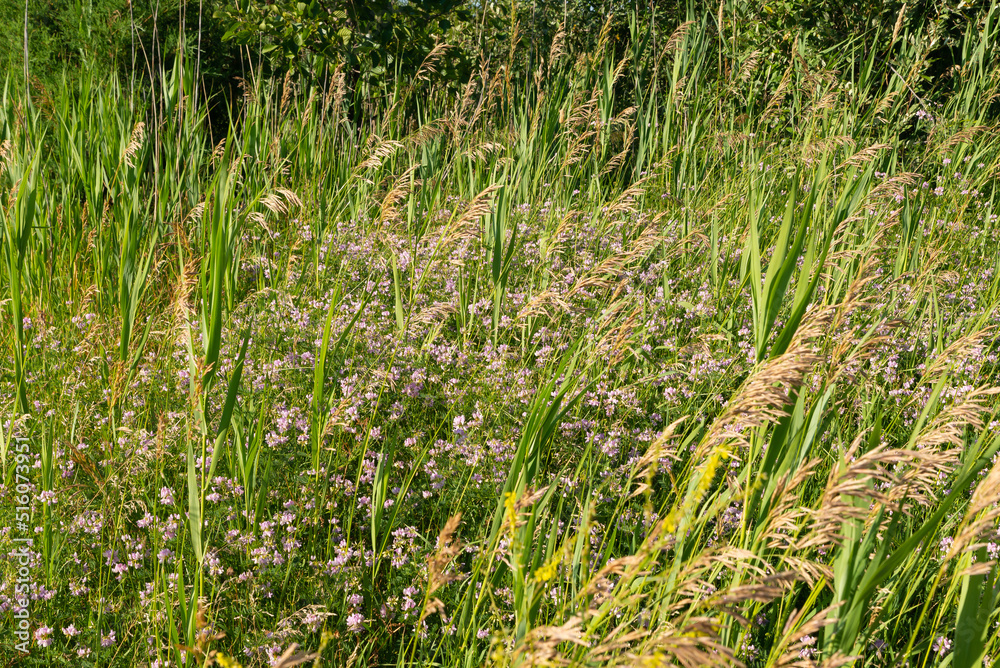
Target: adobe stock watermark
column 21, row 535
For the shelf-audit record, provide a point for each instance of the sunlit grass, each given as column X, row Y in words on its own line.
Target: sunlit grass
column 643, row 361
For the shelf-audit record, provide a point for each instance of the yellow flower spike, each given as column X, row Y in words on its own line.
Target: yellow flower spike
column 226, row 662
column 548, row 570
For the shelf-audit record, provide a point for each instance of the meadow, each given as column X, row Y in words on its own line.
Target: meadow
column 647, row 358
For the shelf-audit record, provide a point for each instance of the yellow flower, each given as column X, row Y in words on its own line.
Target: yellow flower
column 548, row 570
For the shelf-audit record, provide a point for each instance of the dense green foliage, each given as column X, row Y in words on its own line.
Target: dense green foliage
column 651, row 338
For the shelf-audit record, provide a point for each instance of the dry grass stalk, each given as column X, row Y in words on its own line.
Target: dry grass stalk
column 467, row 226
column 779, row 96
column 948, row 427
column 899, row 23
column 286, row 91
column 823, row 146
column 864, row 156
column 448, row 547
column 956, row 353
column 547, row 302
column 749, row 65
column 540, row 646
column 389, row 208
column 435, row 313
column 605, row 274
column 677, row 37
column 764, row 396
column 383, row 151
column 134, row 144
column 964, row 136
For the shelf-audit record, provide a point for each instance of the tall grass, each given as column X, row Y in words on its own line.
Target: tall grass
column 664, row 355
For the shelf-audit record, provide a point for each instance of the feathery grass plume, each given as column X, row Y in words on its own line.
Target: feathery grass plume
column 389, row 207
column 291, row 657
column 956, row 353
column 628, row 137
column 863, row 156
column 614, row 342
column 382, row 151
column 949, row 426
column 979, row 522
column 606, row 273
column 780, row 527
column 764, row 396
column 626, row 200
column 557, row 49
column 778, row 97
column 335, row 91
column 286, row 91
column 886, row 102
column 465, row 104
column 603, row 36
column 892, row 189
column 485, row 150
column 649, row 463
column 965, row 136
column 134, row 144
column 435, row 313
column 749, row 65
column 547, row 302
column 677, row 37
column 427, row 132
column 447, row 548
column 691, row 645
column 899, row 23
column 429, row 64
column 849, row 478
column 824, row 145
column 540, row 647
column 467, row 226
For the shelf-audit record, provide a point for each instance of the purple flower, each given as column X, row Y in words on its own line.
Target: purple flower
column 43, row 636
column 942, row 645
column 109, row 640
column 70, row 631
column 355, row 622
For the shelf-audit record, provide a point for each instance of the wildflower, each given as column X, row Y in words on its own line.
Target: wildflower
column 108, row 640
column 808, row 651
column 942, row 645
column 355, row 622
column 70, row 631
column 43, row 636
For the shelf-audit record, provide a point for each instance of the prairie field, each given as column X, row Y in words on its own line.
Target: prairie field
column 658, row 353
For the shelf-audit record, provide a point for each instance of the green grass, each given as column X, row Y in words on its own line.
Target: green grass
column 653, row 358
